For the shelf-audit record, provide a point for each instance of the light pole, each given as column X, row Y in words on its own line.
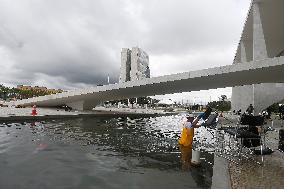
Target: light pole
column 253, row 99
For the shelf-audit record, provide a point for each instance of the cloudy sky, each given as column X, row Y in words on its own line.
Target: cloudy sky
column 76, row 43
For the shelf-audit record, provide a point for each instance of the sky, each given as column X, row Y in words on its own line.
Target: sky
column 72, row 44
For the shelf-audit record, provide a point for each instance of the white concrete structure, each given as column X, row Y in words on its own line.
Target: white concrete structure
column 262, row 39
column 225, row 76
column 125, row 65
column 139, row 64
column 134, row 65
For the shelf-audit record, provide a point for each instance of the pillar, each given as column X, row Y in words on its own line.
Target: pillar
column 259, row 45
column 242, row 96
column 83, row 105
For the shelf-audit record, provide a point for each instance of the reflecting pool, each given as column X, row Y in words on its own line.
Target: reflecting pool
column 102, row 153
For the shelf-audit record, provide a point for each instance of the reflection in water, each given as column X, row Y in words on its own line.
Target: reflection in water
column 281, row 140
column 186, row 154
column 119, row 148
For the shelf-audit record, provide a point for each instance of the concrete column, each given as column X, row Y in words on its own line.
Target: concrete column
column 253, row 94
column 265, row 94
column 242, row 95
column 83, row 105
column 259, row 45
column 243, row 52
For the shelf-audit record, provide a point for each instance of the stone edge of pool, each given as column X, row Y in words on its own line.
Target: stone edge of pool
column 79, row 115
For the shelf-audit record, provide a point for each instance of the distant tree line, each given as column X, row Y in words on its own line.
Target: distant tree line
column 224, row 105
column 10, row 93
column 274, row 108
column 139, row 100
column 221, row 105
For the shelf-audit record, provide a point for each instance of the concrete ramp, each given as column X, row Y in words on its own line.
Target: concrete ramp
column 270, row 70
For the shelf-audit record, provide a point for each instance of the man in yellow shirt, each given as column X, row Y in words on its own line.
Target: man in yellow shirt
column 188, row 130
column 186, row 139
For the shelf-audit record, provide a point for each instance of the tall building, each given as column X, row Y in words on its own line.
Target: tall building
column 139, row 64
column 134, row 65
column 125, row 65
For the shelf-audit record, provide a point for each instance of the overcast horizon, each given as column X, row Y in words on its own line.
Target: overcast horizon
column 71, row 44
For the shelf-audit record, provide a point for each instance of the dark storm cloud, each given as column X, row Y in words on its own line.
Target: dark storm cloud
column 182, row 26
column 73, row 43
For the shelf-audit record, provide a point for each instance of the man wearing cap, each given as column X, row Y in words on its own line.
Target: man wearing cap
column 186, row 138
column 188, row 130
column 187, row 134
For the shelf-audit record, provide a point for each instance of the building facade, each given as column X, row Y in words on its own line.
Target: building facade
column 134, row 65
column 125, row 65
column 262, row 40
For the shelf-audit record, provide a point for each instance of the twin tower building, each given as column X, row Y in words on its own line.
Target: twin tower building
column 134, row 65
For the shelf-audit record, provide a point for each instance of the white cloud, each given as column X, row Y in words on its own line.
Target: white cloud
column 191, row 61
column 198, row 97
column 71, row 43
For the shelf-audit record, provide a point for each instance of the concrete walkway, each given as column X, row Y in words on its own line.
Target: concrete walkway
column 19, row 114
column 269, row 171
column 221, row 177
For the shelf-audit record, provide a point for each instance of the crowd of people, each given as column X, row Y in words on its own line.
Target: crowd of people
column 266, row 112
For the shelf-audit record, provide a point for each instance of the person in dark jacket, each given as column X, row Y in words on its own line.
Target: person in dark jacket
column 250, row 109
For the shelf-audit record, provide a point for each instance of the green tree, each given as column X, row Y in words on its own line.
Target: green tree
column 274, row 108
column 4, row 92
column 223, row 97
column 220, row 105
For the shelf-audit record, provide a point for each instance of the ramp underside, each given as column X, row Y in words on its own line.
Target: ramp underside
column 265, row 71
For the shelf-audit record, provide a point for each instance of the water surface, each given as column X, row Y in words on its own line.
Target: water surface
column 101, row 153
